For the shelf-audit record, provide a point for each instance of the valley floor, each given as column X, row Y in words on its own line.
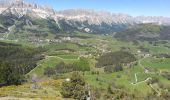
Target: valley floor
column 134, row 80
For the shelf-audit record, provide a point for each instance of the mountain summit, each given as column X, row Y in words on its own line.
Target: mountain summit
column 79, row 19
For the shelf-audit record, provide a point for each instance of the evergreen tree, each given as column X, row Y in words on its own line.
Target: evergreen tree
column 9, row 75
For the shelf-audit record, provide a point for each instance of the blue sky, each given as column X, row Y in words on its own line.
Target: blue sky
column 132, row 7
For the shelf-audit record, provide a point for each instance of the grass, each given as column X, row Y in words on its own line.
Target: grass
column 160, row 48
column 52, row 61
column 103, row 81
column 158, row 63
column 62, row 46
column 49, row 90
column 141, row 88
column 69, row 53
column 48, row 62
column 99, row 81
column 125, row 78
column 68, row 56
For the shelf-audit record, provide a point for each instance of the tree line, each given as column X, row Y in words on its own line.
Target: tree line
column 114, row 61
column 17, row 60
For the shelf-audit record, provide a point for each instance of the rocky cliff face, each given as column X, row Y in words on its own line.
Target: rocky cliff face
column 80, row 19
column 19, row 7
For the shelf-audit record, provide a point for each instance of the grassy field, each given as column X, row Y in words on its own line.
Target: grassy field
column 70, row 52
column 60, row 52
column 48, row 90
column 124, row 81
column 158, row 63
column 52, row 61
column 48, row 62
column 68, row 56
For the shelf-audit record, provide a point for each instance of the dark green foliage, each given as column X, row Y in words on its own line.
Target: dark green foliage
column 63, row 68
column 66, row 90
column 152, row 28
column 75, row 88
column 147, row 32
column 111, row 69
column 143, row 49
column 49, row 71
column 7, row 20
column 140, row 32
column 166, row 75
column 3, row 30
column 165, row 33
column 118, row 68
column 9, row 74
column 46, row 26
column 53, row 27
column 135, row 42
column 16, row 61
column 115, row 58
column 24, row 58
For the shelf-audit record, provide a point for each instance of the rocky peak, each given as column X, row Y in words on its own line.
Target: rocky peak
column 20, row 8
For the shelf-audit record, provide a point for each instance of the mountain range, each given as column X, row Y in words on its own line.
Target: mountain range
column 85, row 20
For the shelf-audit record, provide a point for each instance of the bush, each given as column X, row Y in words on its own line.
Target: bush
column 75, row 88
column 49, row 71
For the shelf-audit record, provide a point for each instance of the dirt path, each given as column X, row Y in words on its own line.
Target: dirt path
column 145, row 70
column 136, row 77
column 46, row 57
column 158, row 93
column 141, row 81
column 139, row 62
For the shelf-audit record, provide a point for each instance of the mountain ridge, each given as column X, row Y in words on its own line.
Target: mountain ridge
column 93, row 17
column 21, row 14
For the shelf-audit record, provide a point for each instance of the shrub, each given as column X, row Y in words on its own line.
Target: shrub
column 75, row 88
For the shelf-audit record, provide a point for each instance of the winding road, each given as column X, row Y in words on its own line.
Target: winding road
column 147, row 79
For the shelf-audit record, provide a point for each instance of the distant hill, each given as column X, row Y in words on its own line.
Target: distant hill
column 145, row 32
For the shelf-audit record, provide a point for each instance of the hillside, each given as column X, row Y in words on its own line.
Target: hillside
column 148, row 32
column 99, row 22
column 82, row 54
